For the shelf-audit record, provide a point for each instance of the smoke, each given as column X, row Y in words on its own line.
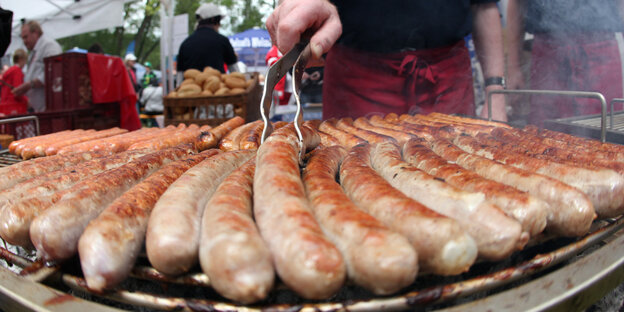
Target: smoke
column 570, row 45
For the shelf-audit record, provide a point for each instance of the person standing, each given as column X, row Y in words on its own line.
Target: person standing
column 404, row 56
column 129, row 61
column 40, row 47
column 11, row 104
column 205, row 46
column 577, row 46
column 149, row 77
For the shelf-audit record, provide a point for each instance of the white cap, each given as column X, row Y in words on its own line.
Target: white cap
column 130, row 57
column 208, row 10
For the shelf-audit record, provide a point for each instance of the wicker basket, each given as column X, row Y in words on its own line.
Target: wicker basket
column 214, row 110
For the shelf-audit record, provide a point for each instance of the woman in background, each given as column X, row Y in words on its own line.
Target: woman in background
column 11, row 104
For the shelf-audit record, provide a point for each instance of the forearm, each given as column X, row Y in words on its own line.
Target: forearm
column 515, row 32
column 488, row 39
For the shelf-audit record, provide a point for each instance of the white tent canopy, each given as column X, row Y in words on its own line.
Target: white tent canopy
column 64, row 18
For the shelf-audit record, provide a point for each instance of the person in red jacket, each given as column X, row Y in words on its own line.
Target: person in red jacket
column 272, row 56
column 11, row 104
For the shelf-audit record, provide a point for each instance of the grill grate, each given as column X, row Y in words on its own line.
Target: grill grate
column 147, row 288
column 589, row 126
column 7, row 159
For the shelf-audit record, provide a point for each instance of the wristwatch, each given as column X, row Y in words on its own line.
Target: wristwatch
column 496, row 81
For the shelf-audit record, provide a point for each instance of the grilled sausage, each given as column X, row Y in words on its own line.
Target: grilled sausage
column 400, row 136
column 454, row 119
column 106, row 144
column 443, row 246
column 578, row 142
column 496, row 235
column 346, row 124
column 232, row 141
column 173, row 230
column 53, row 148
column 327, row 139
column 304, row 258
column 231, row 251
column 570, row 211
column 347, row 140
column 110, row 244
column 530, row 211
column 561, row 152
column 51, row 182
column 187, row 135
column 377, row 258
column 14, row 145
column 209, row 139
column 37, row 148
column 56, row 231
column 251, row 139
column 16, row 173
column 603, row 187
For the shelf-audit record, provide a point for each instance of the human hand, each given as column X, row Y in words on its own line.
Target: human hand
column 292, row 18
column 21, row 89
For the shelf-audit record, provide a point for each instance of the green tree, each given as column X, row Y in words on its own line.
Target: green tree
column 142, row 24
column 238, row 15
column 142, row 21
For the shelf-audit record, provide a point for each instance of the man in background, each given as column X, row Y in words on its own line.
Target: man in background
column 40, row 47
column 205, row 46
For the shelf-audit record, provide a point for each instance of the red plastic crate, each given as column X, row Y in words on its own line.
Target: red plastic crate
column 68, row 85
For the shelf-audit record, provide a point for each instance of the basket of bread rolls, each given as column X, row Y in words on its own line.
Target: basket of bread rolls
column 210, row 97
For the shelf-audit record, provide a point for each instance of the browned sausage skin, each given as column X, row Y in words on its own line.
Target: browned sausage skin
column 443, row 246
column 173, row 230
column 231, row 252
column 56, row 231
column 377, row 258
column 111, row 243
column 304, row 258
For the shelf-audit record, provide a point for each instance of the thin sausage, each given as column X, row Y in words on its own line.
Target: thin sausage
column 604, row 187
column 53, row 181
column 376, row 257
column 400, row 136
column 305, row 260
column 187, row 135
column 231, row 252
column 16, row 173
column 530, row 211
column 173, row 230
column 570, row 212
column 111, row 243
column 56, row 231
column 347, row 140
column 346, row 124
column 251, row 139
column 496, row 235
column 209, row 139
column 443, row 246
column 53, row 148
column 13, row 146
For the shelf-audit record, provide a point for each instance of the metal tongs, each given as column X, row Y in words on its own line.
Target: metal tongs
column 297, row 59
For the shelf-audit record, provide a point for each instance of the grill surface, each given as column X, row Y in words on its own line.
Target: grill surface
column 589, row 126
column 579, row 265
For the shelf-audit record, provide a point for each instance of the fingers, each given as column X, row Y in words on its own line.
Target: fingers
column 326, row 36
column 293, row 18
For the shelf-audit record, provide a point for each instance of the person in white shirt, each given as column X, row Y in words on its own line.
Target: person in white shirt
column 40, row 46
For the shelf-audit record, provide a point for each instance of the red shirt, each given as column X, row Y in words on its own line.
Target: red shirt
column 9, row 103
